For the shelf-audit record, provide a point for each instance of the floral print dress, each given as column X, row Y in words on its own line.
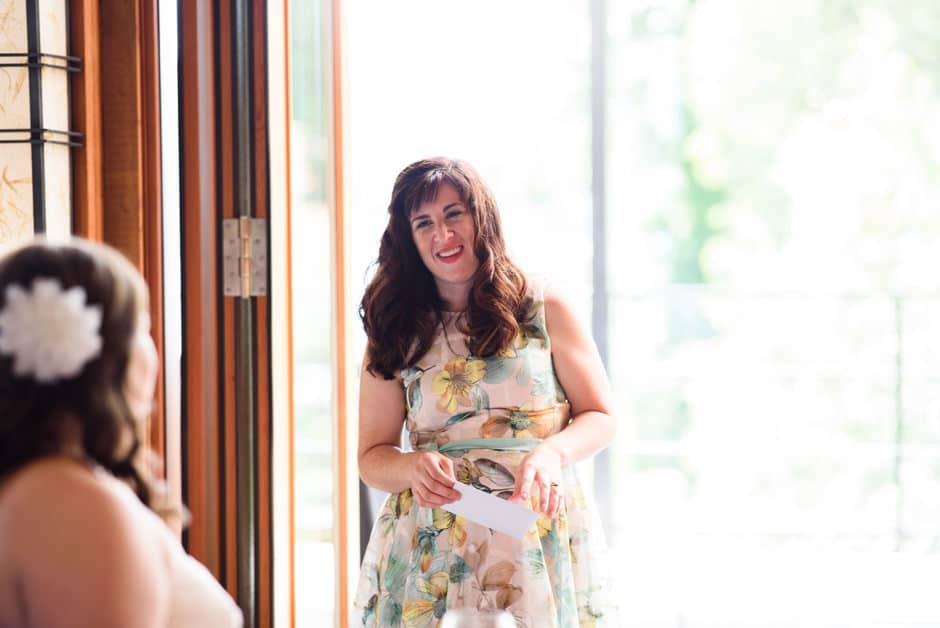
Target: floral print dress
column 485, row 414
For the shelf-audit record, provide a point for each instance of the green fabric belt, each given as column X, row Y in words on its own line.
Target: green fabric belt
column 499, row 444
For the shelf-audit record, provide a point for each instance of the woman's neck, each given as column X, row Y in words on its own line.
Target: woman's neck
column 454, row 296
column 70, row 435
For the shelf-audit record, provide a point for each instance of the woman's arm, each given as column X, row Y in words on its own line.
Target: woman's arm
column 584, row 379
column 82, row 555
column 582, row 375
column 382, row 464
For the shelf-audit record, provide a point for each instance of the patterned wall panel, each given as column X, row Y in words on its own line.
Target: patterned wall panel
column 16, row 197
column 18, row 202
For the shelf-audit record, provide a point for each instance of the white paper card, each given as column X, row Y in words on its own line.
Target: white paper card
column 491, row 511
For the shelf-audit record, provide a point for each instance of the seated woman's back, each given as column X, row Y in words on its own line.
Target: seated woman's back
column 78, row 549
column 75, row 552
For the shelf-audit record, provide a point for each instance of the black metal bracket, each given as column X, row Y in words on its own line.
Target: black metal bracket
column 40, row 136
column 39, row 60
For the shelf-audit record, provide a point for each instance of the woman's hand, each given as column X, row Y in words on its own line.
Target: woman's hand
column 538, row 476
column 432, row 479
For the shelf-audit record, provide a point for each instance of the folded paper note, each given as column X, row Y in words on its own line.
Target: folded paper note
column 491, row 511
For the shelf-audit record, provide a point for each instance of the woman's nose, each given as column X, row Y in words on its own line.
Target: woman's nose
column 443, row 232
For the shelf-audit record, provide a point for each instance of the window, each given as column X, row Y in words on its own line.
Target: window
column 771, row 253
column 769, row 177
column 312, row 298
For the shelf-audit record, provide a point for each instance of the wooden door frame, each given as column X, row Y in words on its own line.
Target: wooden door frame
column 227, row 415
column 130, row 113
column 281, row 317
column 85, row 86
column 118, row 200
column 117, row 178
column 346, row 477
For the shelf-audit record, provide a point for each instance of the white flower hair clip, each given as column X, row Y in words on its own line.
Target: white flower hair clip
column 50, row 332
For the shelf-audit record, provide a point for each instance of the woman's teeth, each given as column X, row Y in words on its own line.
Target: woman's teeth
column 450, row 252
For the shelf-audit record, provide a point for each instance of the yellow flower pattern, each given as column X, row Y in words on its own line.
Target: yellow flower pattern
column 418, row 611
column 454, row 384
column 521, row 422
column 444, row 520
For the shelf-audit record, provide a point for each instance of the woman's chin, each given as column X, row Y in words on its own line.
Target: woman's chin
column 454, row 278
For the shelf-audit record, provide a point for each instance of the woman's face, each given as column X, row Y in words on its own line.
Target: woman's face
column 142, row 370
column 443, row 232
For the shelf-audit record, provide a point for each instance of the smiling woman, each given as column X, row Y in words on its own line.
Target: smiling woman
column 444, row 235
column 414, row 284
column 500, row 389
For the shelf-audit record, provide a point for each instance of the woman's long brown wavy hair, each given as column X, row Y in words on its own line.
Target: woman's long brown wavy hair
column 401, row 308
column 34, row 415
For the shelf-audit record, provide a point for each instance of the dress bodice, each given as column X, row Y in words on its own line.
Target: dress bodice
column 452, row 395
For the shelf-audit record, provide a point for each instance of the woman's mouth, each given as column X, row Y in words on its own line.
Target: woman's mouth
column 451, row 255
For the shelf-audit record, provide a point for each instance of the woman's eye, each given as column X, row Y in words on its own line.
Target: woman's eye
column 422, row 224
column 455, row 213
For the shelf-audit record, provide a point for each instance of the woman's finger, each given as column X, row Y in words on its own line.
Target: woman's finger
column 430, row 500
column 524, row 482
column 436, row 491
column 444, row 472
column 554, row 501
column 435, row 473
column 419, row 496
column 446, row 479
column 447, row 467
column 545, row 490
column 444, row 488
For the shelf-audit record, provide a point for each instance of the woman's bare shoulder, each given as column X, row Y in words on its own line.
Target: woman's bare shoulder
column 59, row 520
column 43, row 485
column 67, row 497
column 558, row 307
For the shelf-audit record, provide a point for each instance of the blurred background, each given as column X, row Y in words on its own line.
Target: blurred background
column 752, row 234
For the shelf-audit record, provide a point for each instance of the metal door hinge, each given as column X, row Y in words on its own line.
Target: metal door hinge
column 244, row 257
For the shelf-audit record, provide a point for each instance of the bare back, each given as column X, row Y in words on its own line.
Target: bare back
column 77, row 548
